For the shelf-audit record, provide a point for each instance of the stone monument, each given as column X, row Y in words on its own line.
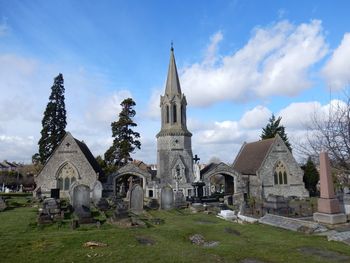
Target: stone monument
column 81, row 201
column 97, row 192
column 328, row 204
column 167, row 198
column 136, row 199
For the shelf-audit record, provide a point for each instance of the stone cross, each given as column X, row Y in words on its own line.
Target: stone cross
column 196, row 158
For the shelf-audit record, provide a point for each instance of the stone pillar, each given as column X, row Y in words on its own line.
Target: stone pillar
column 328, row 204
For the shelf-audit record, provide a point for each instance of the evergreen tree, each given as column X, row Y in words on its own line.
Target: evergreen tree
column 311, row 177
column 54, row 121
column 125, row 139
column 273, row 128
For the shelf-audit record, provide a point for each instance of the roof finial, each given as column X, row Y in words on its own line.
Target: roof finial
column 172, row 46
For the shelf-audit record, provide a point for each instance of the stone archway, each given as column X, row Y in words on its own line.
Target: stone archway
column 122, row 183
column 222, row 183
column 121, row 180
column 221, row 178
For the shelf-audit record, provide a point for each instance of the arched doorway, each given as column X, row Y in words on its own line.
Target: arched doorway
column 123, row 182
column 222, row 183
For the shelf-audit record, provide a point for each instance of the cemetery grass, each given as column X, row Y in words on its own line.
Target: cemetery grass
column 22, row 241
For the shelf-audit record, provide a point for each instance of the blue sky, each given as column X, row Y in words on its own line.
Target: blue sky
column 239, row 62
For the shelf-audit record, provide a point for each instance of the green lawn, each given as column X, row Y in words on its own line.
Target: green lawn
column 22, row 241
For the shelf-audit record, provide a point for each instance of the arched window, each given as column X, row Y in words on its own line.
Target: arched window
column 275, row 178
column 60, row 183
column 66, row 184
column 174, row 114
column 280, row 174
column 72, row 180
column 285, row 177
column 182, row 115
column 66, row 176
column 167, row 113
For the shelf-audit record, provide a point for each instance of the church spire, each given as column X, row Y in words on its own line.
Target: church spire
column 172, row 84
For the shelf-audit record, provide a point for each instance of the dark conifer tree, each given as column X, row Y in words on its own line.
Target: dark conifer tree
column 311, row 177
column 273, row 128
column 54, row 120
column 125, row 138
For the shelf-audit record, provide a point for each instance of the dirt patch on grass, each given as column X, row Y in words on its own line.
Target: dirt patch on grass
column 232, row 231
column 147, row 241
column 327, row 255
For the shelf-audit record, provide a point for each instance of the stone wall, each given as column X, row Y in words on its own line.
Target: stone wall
column 172, row 149
column 67, row 152
column 295, row 185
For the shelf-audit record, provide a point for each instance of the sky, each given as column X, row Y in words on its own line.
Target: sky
column 239, row 62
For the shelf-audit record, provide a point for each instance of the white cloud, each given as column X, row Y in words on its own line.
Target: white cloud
column 153, row 108
column 275, row 61
column 13, row 145
column 25, row 87
column 296, row 115
column 336, row 71
column 255, row 118
column 106, row 109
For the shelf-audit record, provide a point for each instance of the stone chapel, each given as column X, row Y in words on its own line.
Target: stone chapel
column 260, row 169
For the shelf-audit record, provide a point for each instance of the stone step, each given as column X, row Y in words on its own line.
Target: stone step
column 292, row 224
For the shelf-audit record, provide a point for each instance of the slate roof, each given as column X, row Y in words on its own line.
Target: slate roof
column 208, row 167
column 89, row 157
column 251, row 156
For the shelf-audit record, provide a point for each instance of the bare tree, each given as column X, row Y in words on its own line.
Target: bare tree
column 330, row 132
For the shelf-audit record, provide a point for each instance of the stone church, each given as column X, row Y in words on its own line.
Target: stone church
column 260, row 169
column 71, row 162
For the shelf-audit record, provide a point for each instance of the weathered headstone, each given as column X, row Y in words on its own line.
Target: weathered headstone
column 328, row 204
column 167, row 198
column 50, row 211
column 153, row 204
column 121, row 210
column 180, row 200
column 97, row 192
column 81, row 201
column 136, row 199
column 2, row 204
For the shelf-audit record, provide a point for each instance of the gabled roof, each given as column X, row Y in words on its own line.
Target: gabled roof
column 84, row 149
column 208, row 167
column 251, row 156
column 89, row 157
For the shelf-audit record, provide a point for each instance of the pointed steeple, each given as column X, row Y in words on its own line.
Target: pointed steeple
column 172, row 84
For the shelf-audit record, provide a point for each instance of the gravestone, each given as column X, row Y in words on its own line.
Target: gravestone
column 180, row 200
column 121, row 210
column 2, row 204
column 328, row 204
column 50, row 211
column 153, row 204
column 81, row 201
column 136, row 199
column 97, row 192
column 167, row 198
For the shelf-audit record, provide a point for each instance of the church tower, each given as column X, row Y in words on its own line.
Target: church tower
column 174, row 148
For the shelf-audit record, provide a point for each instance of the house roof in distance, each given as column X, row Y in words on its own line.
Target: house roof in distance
column 251, row 156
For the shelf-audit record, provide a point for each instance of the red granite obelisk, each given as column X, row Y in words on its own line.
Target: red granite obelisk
column 328, row 204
